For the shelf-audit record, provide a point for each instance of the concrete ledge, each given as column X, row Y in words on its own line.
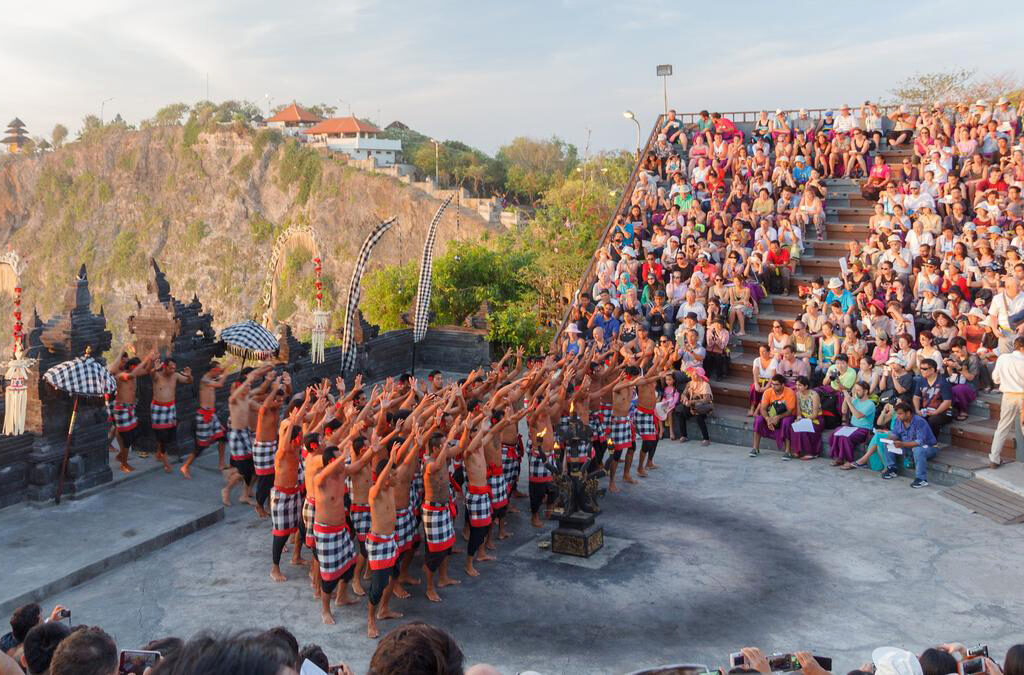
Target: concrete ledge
column 82, row 574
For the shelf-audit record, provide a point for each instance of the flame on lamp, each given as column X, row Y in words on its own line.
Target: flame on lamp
column 572, row 407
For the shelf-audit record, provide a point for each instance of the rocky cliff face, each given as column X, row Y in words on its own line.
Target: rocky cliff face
column 208, row 207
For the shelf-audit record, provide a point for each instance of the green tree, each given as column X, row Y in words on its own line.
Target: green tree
column 168, row 115
column 59, row 133
column 91, row 126
column 388, row 292
column 925, row 88
column 535, row 166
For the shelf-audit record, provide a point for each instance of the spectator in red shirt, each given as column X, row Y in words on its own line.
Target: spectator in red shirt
column 652, row 264
column 779, row 263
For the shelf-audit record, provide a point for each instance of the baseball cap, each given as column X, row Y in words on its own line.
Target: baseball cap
column 895, row 661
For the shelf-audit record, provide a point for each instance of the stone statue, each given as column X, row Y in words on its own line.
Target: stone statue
column 571, row 467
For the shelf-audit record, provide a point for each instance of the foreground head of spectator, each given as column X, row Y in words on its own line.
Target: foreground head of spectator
column 315, row 655
column 417, row 649
column 244, row 654
column 284, row 635
column 40, row 644
column 937, row 662
column 25, row 619
column 895, row 661
column 87, row 651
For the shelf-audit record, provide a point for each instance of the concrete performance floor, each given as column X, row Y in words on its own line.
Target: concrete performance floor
column 714, row 552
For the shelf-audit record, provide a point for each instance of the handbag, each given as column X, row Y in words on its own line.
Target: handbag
column 704, row 408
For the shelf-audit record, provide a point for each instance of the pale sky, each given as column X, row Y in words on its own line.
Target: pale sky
column 485, row 72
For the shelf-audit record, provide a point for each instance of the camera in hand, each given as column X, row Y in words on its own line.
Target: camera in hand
column 135, row 661
column 780, row 663
column 975, row 652
column 64, row 614
column 972, row 666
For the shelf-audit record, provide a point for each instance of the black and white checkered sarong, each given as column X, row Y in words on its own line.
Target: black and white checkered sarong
column 381, row 551
column 360, row 514
column 285, row 510
column 438, row 526
column 646, row 424
column 539, row 472
column 478, row 505
column 622, row 434
column 509, row 459
column 239, row 444
column 208, row 427
column 163, row 415
column 334, row 549
column 124, row 416
column 499, row 488
column 308, row 518
column 406, row 529
column 263, row 457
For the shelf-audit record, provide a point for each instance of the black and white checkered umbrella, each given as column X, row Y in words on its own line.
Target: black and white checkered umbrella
column 84, row 376
column 249, row 340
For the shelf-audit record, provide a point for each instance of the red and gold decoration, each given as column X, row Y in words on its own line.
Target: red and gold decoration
column 320, row 317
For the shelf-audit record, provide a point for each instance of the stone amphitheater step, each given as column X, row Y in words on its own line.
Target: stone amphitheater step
column 848, row 213
column 846, row 230
column 730, row 424
column 972, row 435
column 825, row 247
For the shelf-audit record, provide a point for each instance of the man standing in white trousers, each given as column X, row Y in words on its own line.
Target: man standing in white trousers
column 1009, row 375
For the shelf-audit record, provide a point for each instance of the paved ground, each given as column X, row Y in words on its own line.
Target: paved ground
column 713, row 552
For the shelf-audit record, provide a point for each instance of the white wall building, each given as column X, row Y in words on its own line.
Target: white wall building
column 293, row 120
column 357, row 139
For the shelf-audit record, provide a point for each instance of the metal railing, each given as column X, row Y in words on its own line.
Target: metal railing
column 588, row 278
column 750, row 116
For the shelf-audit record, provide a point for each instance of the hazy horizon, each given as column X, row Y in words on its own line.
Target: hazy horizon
column 481, row 74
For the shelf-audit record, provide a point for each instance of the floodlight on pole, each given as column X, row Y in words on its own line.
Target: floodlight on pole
column 269, row 100
column 103, row 103
column 348, row 104
column 630, row 116
column 664, row 70
column 437, row 155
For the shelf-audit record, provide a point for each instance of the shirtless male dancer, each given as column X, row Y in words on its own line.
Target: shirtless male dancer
column 239, row 441
column 478, row 493
column 208, row 427
column 500, row 420
column 644, row 418
column 285, row 497
column 335, row 548
column 163, row 409
column 126, row 372
column 381, row 546
column 439, row 509
column 264, row 448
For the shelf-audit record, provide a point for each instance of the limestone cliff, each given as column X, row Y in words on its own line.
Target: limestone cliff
column 208, row 206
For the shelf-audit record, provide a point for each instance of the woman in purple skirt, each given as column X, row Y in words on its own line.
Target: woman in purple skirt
column 861, row 411
column 806, row 445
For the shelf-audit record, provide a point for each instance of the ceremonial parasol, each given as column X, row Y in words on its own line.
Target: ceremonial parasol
column 249, row 340
column 84, row 376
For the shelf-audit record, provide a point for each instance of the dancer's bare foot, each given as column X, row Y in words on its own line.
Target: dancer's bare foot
column 432, row 595
column 447, row 581
column 652, row 465
column 357, row 588
column 260, row 511
column 275, row 574
column 400, row 592
column 372, row 632
column 641, row 473
column 389, row 614
column 612, row 487
column 126, row 467
column 327, row 617
column 299, row 562
column 225, row 497
column 484, row 557
column 535, row 521
column 343, row 598
column 406, row 579
column 470, row 570
column 628, row 479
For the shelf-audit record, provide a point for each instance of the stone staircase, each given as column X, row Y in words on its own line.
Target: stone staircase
column 964, row 445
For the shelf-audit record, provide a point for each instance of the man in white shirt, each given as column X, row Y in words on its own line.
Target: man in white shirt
column 918, row 236
column 917, row 198
column 846, row 122
column 899, row 257
column 1009, row 375
column 1005, row 304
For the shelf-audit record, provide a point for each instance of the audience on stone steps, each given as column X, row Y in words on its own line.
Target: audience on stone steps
column 51, row 647
column 923, row 295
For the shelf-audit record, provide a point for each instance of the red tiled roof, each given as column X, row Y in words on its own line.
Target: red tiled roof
column 342, row 125
column 294, row 113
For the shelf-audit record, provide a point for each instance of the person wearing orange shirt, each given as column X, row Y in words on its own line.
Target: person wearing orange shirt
column 778, row 405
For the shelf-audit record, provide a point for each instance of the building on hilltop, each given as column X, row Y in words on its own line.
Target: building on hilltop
column 17, row 136
column 293, row 120
column 356, row 138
